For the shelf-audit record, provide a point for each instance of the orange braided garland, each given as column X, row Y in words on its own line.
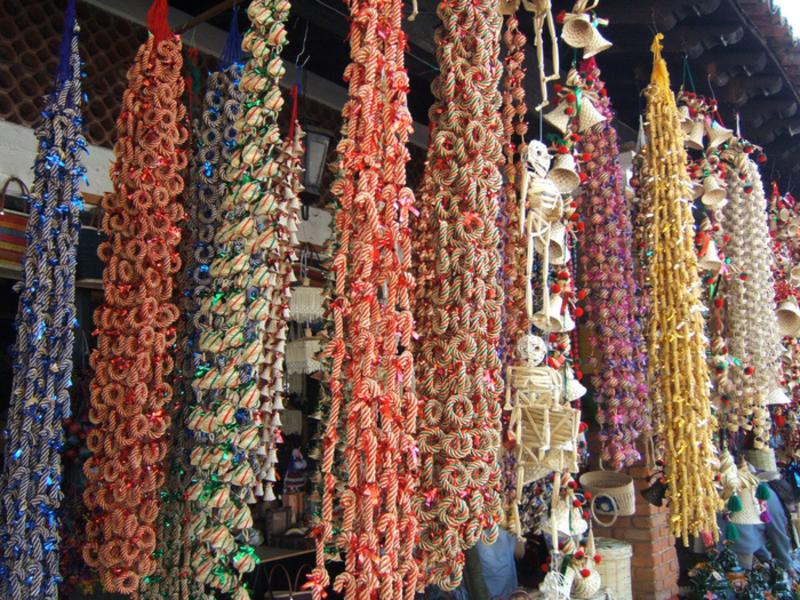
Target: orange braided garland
column 135, row 323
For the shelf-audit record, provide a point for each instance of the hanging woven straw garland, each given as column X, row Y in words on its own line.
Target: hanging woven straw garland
column 676, row 343
column 612, row 313
column 370, row 475
column 214, row 139
column 135, row 325
column 235, row 427
column 458, row 299
column 30, row 495
column 751, row 324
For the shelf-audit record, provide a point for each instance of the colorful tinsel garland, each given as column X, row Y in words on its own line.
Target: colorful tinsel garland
column 372, row 478
column 459, row 300
column 30, row 487
column 135, row 325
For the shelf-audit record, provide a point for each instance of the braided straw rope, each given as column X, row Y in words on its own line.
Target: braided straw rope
column 458, row 299
column 515, row 317
column 369, row 364
column 613, row 317
column 751, row 325
column 234, row 426
column 676, row 343
column 30, row 487
column 135, row 325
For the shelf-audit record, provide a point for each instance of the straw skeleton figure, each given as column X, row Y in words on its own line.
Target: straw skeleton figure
column 540, row 206
column 543, row 14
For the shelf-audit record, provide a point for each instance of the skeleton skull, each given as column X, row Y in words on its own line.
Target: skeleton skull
column 538, row 158
column 532, row 349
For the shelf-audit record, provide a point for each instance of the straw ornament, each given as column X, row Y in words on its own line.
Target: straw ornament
column 750, row 321
column 369, row 456
column 611, row 309
column 458, row 301
column 214, row 138
column 676, row 343
column 30, row 486
column 233, row 420
column 130, row 392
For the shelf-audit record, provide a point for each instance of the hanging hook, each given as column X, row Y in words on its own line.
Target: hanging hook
column 302, row 50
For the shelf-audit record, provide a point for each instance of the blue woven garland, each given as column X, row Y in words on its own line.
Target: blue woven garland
column 30, row 487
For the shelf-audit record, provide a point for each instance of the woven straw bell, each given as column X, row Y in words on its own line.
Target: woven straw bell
column 558, row 117
column 588, row 116
column 788, row 315
column 776, row 396
column 710, row 260
column 694, row 139
column 717, row 134
column 577, row 31
column 551, row 320
column 714, row 194
column 564, row 174
column 686, row 119
column 596, row 45
column 559, row 254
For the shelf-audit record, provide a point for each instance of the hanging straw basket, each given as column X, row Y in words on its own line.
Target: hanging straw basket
column 615, row 568
column 618, row 487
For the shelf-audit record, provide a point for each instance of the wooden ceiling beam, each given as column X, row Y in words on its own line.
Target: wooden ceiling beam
column 742, row 89
column 694, row 40
column 664, row 14
column 755, row 113
column 722, row 65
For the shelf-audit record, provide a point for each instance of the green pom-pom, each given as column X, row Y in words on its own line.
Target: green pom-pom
column 763, row 491
column 731, row 532
column 734, row 503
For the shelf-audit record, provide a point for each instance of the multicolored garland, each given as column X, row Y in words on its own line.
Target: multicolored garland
column 676, row 343
column 611, row 309
column 234, row 423
column 459, row 300
column 136, row 324
column 30, row 495
column 371, row 378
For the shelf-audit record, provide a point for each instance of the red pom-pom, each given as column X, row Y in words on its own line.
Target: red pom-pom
column 582, row 294
column 598, row 559
column 580, row 554
column 585, row 572
column 555, row 288
column 558, row 87
column 588, row 495
column 571, row 98
column 586, row 157
column 572, row 484
column 583, row 427
column 545, row 567
column 569, row 111
column 578, row 374
column 579, row 312
column 576, row 503
column 719, row 302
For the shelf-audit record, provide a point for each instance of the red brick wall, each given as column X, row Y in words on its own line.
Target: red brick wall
column 654, row 565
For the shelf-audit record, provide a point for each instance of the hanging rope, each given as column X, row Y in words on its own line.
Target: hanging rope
column 234, row 422
column 458, row 297
column 30, row 488
column 676, row 343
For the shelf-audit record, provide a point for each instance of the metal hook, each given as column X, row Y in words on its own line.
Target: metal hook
column 302, row 50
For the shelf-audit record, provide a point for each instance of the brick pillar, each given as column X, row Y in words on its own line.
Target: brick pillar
column 654, row 566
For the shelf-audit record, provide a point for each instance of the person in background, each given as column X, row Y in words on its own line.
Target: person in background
column 294, row 484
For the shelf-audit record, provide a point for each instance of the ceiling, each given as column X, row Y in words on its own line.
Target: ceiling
column 736, row 50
